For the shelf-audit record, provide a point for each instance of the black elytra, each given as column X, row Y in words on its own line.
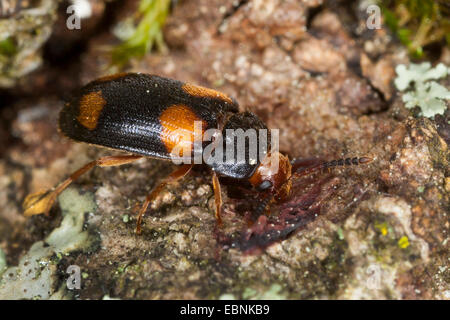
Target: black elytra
column 125, row 112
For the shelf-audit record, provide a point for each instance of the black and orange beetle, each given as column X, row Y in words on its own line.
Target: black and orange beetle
column 148, row 116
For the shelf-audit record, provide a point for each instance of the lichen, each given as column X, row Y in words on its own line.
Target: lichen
column 35, row 277
column 426, row 94
column 70, row 235
column 403, row 242
column 2, row 262
column 273, row 292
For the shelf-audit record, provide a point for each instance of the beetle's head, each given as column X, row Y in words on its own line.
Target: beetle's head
column 272, row 175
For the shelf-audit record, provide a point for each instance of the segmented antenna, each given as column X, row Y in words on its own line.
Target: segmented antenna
column 331, row 164
column 304, row 172
column 262, row 205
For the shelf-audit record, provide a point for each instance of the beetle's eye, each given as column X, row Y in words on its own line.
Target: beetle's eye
column 266, row 184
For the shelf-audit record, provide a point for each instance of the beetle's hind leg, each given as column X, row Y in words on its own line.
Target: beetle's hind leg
column 176, row 175
column 41, row 202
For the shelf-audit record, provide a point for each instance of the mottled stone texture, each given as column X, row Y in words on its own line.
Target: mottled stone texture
column 382, row 233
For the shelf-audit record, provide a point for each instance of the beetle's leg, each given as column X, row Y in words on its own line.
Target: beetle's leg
column 217, row 197
column 174, row 176
column 41, row 202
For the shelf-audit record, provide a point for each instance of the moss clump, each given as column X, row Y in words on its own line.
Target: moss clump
column 139, row 40
column 418, row 23
column 8, row 47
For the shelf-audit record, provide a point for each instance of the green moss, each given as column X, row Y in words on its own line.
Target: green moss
column 139, row 40
column 7, row 47
column 417, row 23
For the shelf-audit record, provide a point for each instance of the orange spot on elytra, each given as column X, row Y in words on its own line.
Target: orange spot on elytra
column 178, row 128
column 91, row 105
column 205, row 92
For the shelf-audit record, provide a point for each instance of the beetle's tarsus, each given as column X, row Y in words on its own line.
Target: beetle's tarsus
column 39, row 203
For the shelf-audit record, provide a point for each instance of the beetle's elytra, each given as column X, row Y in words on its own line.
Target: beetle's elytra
column 149, row 116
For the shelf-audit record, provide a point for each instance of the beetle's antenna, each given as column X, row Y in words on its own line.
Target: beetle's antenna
column 263, row 205
column 331, row 164
column 309, row 170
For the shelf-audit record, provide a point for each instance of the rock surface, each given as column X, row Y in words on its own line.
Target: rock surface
column 382, row 233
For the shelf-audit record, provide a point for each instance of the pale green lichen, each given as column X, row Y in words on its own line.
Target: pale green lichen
column 35, row 276
column 424, row 93
column 70, row 235
column 273, row 293
column 2, row 262
column 227, row 296
column 107, row 297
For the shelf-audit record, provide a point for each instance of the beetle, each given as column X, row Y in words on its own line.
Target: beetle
column 149, row 116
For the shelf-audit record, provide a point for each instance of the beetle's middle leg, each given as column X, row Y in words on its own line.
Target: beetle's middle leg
column 174, row 176
column 41, row 202
column 217, row 197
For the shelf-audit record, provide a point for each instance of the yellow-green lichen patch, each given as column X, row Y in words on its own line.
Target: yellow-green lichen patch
column 382, row 227
column 403, row 242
